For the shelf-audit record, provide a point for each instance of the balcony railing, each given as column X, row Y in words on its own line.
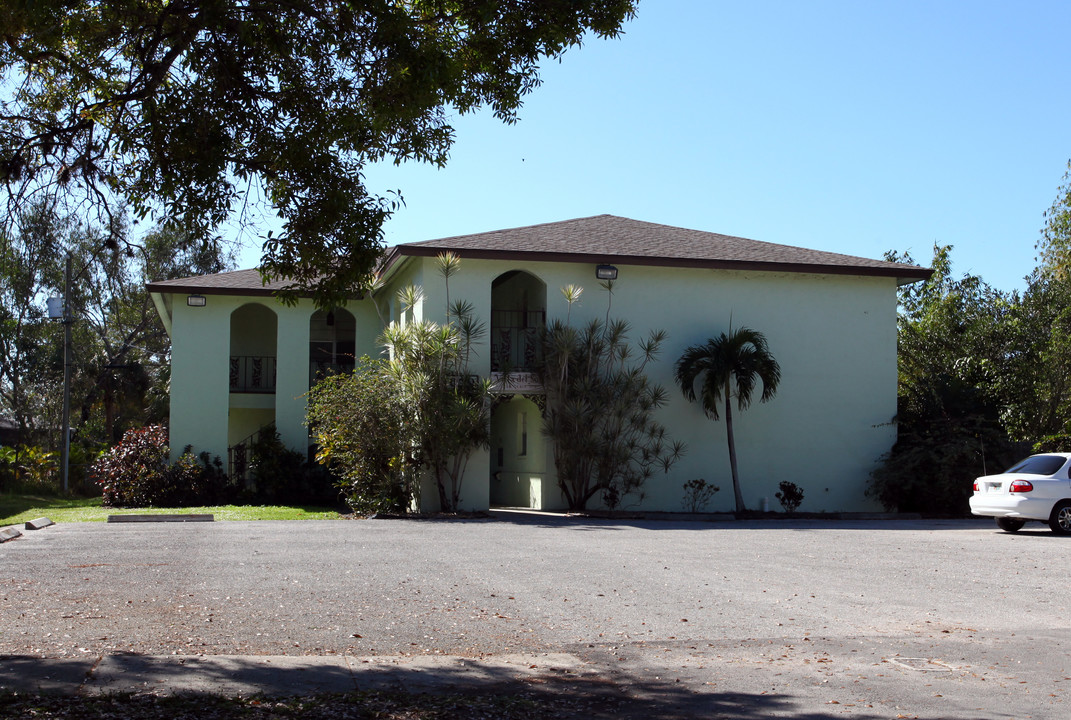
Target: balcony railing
column 515, row 339
column 252, row 374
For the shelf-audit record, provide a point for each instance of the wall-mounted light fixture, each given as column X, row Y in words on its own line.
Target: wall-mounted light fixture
column 196, row 300
column 606, row 272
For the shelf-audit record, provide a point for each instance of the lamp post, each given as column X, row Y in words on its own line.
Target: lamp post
column 65, row 448
column 60, row 308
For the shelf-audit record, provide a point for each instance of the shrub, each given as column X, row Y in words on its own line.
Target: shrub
column 697, row 493
column 279, row 474
column 447, row 408
column 133, row 472
column 200, row 480
column 136, row 473
column 359, row 426
column 790, row 496
column 29, row 469
column 932, row 466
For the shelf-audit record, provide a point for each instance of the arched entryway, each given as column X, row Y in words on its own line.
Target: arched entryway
column 519, row 451
column 518, row 454
column 254, row 332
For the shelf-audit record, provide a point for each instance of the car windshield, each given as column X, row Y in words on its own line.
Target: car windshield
column 1038, row 465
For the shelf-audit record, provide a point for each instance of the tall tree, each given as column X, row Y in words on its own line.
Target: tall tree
column 1043, row 330
column 124, row 351
column 28, row 264
column 120, row 348
column 729, row 366
column 963, row 365
column 1055, row 243
column 950, row 330
column 192, row 109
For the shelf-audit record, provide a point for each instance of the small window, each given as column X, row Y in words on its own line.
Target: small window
column 523, row 444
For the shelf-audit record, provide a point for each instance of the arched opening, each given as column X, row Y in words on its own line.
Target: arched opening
column 332, row 343
column 518, row 469
column 254, row 333
column 254, row 329
column 518, row 313
column 518, row 455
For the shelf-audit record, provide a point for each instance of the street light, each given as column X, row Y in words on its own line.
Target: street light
column 60, row 309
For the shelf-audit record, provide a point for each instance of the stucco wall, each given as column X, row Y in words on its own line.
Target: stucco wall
column 200, row 380
column 204, row 413
column 834, row 336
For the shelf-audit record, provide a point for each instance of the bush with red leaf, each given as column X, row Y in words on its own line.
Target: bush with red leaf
column 136, row 473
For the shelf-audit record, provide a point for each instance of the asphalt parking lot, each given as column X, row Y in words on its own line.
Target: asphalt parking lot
column 792, row 618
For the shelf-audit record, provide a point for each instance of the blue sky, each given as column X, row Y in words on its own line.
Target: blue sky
column 854, row 127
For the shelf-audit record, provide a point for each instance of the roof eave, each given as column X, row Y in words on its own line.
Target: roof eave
column 166, row 288
column 904, row 274
column 163, row 305
column 208, row 290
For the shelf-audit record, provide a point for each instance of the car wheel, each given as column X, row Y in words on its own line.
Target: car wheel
column 1010, row 524
column 1060, row 520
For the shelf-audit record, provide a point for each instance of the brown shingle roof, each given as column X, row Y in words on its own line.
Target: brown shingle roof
column 598, row 239
column 236, row 282
column 612, row 239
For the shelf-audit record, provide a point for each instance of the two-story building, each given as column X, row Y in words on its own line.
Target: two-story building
column 241, row 360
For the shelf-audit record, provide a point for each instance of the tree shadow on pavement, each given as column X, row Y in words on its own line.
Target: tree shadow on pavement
column 557, row 693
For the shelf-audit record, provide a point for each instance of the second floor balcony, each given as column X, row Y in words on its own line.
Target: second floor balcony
column 515, row 339
column 252, row 374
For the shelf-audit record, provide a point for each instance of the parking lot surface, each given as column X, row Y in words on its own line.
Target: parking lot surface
column 788, row 618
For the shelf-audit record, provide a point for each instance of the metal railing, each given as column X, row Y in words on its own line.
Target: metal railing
column 515, row 339
column 252, row 374
column 240, row 456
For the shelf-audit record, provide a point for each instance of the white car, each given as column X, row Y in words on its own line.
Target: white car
column 1038, row 488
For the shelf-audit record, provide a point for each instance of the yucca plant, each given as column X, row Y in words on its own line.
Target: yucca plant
column 449, row 409
column 601, row 409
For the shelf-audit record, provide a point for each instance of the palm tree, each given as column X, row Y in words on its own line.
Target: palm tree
column 729, row 364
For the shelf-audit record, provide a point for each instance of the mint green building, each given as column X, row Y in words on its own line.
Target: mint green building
column 242, row 360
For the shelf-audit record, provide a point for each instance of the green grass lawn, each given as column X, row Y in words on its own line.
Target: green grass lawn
column 17, row 509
